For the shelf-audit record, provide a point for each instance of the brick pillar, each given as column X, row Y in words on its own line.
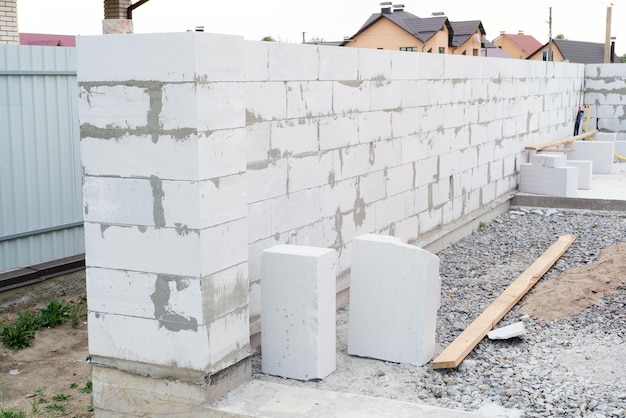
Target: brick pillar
column 162, row 146
column 115, row 21
column 8, row 22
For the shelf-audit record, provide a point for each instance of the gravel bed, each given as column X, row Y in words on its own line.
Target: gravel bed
column 571, row 367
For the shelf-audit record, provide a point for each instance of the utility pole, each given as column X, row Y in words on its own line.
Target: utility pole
column 550, row 35
column 607, row 40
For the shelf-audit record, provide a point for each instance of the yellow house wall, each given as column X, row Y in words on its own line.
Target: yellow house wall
column 510, row 47
column 437, row 40
column 386, row 35
column 556, row 54
column 472, row 43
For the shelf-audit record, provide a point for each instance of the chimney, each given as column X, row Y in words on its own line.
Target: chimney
column 116, row 17
column 398, row 7
column 520, row 32
column 385, row 7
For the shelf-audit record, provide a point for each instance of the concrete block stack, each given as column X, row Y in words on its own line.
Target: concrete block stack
column 548, row 174
column 166, row 227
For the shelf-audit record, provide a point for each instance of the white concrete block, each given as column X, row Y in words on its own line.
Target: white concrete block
column 179, row 106
column 338, row 63
column 259, row 220
column 620, row 148
column 374, row 126
column 405, row 65
column 149, row 340
column 309, row 98
column 221, row 106
column 179, row 251
column 386, row 95
column 291, row 62
column 258, row 141
column 298, row 311
column 548, row 160
column 431, row 66
column 168, row 57
column 220, row 153
column 536, row 179
column 229, row 337
column 406, row 122
column 585, row 170
column 295, row 210
column 310, row 171
column 265, row 101
column 374, row 64
column 516, row 329
column 599, row 152
column 294, row 136
column 256, row 60
column 449, row 164
column 163, row 203
column 605, row 136
column 114, row 107
column 339, row 196
column 400, row 179
column 266, row 180
column 351, row 96
column 338, row 131
column 387, row 211
column 394, row 298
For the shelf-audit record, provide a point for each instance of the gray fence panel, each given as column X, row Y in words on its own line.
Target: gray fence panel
column 40, row 172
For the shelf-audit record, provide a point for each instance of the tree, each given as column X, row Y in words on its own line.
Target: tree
column 316, row 39
column 623, row 59
column 268, row 39
column 559, row 36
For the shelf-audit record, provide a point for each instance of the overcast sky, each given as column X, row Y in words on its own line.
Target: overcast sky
column 285, row 20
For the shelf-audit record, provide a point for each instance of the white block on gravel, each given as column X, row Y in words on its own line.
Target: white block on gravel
column 562, row 181
column 585, row 171
column 298, row 311
column 395, row 292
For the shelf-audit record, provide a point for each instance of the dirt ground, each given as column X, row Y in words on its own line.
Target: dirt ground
column 55, row 364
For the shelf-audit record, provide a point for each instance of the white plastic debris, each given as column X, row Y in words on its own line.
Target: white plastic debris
column 516, row 329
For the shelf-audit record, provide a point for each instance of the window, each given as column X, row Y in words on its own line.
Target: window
column 429, row 50
column 464, row 53
column 475, row 52
column 546, row 56
column 408, row 48
column 378, row 48
column 442, row 50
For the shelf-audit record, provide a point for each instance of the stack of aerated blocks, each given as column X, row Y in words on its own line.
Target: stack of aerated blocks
column 548, row 174
column 165, row 213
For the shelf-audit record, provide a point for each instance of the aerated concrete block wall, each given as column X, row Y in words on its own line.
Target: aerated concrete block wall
column 605, row 91
column 342, row 142
column 163, row 151
column 200, row 151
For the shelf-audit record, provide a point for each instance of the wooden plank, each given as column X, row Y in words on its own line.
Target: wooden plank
column 561, row 141
column 454, row 354
column 557, row 150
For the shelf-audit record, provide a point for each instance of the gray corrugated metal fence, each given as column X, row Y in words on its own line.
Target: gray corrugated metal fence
column 40, row 172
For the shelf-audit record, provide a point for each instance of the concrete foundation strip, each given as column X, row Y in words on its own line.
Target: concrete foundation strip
column 454, row 354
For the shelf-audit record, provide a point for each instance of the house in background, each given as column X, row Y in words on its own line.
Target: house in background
column 578, row 52
column 395, row 29
column 47, row 39
column 492, row 51
column 517, row 46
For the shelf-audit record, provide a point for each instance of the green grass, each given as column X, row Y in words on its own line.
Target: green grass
column 20, row 332
column 12, row 413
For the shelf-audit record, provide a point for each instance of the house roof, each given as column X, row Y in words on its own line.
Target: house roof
column 581, row 52
column 422, row 28
column 47, row 39
column 462, row 31
column 526, row 42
